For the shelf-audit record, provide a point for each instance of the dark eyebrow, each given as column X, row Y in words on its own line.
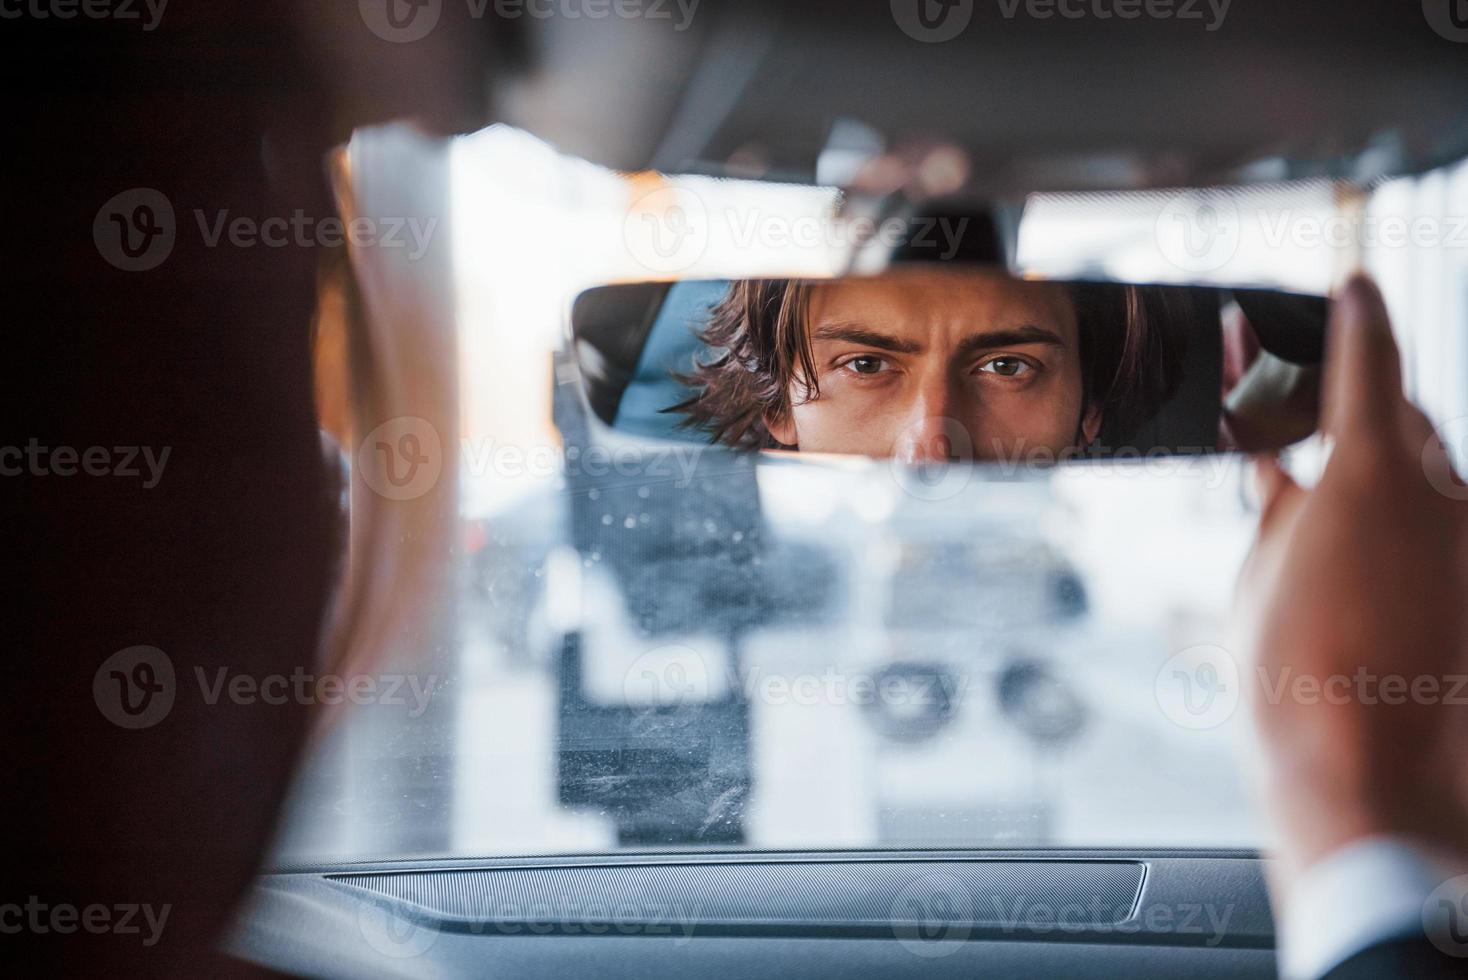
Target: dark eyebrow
column 865, row 337
column 1014, row 337
column 1027, row 334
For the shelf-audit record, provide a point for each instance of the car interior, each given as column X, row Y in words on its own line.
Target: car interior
column 782, row 471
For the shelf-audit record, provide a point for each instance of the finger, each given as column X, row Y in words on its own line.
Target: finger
column 1279, row 500
column 1363, row 371
column 1278, row 491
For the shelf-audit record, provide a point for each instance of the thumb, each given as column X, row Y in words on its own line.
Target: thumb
column 1363, row 370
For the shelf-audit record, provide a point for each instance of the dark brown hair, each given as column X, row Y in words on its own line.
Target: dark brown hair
column 760, row 351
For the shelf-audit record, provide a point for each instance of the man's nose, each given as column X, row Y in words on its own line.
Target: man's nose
column 934, row 433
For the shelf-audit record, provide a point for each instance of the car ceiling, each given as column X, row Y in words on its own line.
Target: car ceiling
column 1348, row 89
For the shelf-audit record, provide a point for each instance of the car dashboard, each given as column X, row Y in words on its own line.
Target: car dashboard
column 1024, row 913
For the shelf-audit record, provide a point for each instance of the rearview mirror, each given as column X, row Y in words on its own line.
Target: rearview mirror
column 929, row 362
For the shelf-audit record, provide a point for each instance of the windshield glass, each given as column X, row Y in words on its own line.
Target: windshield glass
column 643, row 644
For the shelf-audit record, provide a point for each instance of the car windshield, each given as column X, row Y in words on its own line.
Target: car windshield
column 660, row 645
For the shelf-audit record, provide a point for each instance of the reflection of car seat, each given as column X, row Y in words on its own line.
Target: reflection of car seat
column 612, row 324
column 1289, row 326
column 671, row 347
column 1188, row 421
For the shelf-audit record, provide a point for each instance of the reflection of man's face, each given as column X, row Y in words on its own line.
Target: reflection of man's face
column 928, row 366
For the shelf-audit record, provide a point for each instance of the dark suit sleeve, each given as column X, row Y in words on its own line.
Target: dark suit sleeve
column 1403, row 958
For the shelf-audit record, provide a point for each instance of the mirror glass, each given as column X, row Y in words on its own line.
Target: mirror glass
column 932, row 363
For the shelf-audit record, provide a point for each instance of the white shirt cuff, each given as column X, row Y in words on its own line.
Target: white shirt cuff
column 1368, row 892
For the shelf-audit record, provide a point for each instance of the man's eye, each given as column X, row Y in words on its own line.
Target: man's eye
column 865, row 365
column 1007, row 367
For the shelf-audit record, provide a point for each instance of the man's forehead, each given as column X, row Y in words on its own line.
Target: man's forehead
column 921, row 301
